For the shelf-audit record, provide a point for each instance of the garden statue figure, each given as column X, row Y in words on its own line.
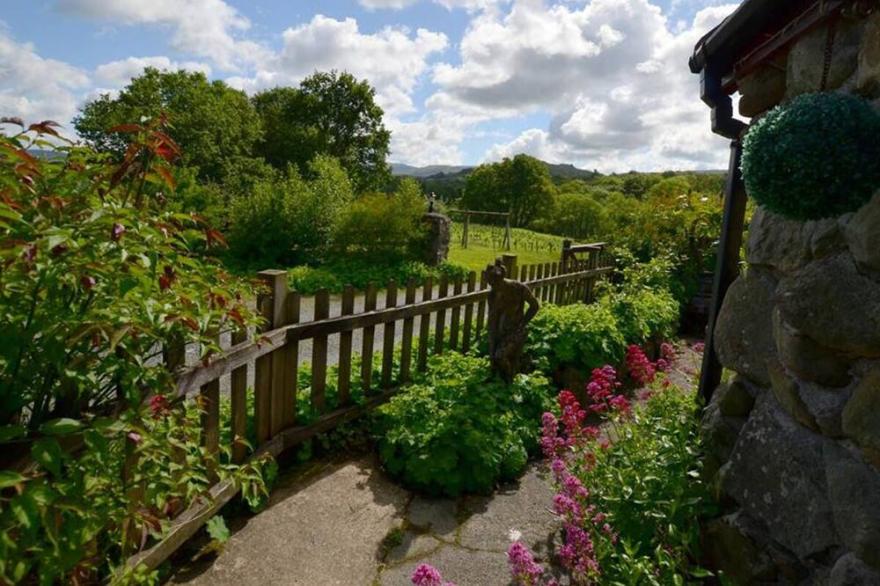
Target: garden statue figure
column 507, row 320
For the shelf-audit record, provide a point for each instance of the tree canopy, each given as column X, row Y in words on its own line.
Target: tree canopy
column 330, row 113
column 215, row 125
column 521, row 185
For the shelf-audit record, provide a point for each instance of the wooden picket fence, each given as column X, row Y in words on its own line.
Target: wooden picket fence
column 273, row 354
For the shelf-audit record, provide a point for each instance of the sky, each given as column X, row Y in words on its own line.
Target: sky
column 601, row 84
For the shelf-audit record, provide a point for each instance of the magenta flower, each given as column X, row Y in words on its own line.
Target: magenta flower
column 523, row 567
column 428, row 575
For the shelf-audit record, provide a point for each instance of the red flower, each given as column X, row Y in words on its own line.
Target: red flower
column 159, row 406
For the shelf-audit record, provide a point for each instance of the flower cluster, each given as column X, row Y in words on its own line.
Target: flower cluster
column 667, row 357
column 523, row 567
column 601, row 391
column 428, row 575
column 640, row 369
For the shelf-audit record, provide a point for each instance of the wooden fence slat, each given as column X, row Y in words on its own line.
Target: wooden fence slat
column 592, row 263
column 209, row 396
column 440, row 325
column 539, row 274
column 554, row 289
column 290, row 378
column 270, row 308
column 406, row 342
column 238, row 398
column 468, row 314
column 319, row 353
column 367, row 340
column 545, row 294
column 523, row 273
column 425, row 325
column 456, row 317
column 388, row 337
column 532, row 270
column 345, row 338
column 481, row 306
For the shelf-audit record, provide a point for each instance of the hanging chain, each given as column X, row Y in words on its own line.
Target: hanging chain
column 829, row 48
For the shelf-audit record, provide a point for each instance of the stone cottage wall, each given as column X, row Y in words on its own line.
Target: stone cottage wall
column 794, row 434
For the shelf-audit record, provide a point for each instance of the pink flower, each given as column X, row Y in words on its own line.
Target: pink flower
column 135, row 437
column 428, row 575
column 640, row 369
column 116, row 232
column 699, row 347
column 159, row 406
column 523, row 567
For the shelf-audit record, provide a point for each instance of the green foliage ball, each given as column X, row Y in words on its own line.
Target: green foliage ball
column 817, row 156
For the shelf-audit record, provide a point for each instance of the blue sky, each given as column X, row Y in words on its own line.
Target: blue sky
column 598, row 83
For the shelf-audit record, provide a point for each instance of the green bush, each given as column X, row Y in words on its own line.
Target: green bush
column 459, row 429
column 816, row 156
column 381, row 225
column 582, row 336
column 292, row 219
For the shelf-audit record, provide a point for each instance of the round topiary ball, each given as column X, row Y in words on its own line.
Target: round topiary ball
column 817, row 156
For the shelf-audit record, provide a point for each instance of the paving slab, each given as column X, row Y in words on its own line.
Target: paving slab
column 322, row 530
column 462, row 566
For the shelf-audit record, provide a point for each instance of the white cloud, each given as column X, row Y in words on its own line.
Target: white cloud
column 116, row 74
column 208, row 28
column 392, row 59
column 469, row 5
column 611, row 73
column 34, row 88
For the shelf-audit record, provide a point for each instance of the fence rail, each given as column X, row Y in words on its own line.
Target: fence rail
column 273, row 354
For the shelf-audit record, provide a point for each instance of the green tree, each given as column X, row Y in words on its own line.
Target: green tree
column 520, row 185
column 216, row 126
column 330, row 113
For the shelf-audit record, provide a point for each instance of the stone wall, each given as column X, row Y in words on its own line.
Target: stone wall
column 794, row 434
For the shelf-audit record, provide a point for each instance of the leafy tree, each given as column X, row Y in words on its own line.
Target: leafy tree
column 330, row 113
column 215, row 125
column 520, row 185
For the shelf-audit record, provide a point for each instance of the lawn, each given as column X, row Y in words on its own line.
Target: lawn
column 485, row 245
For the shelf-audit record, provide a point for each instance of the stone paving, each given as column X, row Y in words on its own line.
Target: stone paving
column 346, row 523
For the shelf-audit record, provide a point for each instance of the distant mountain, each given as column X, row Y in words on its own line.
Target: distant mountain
column 558, row 172
column 429, row 170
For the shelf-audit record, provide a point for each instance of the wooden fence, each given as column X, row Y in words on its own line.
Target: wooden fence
column 458, row 312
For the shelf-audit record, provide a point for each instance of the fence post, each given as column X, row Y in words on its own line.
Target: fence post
column 464, row 233
column 507, row 237
column 566, row 246
column 509, row 261
column 272, row 307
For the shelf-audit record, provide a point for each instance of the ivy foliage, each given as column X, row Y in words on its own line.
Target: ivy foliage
column 460, row 429
column 816, row 156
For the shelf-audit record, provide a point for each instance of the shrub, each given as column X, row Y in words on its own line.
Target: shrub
column 582, row 336
column 459, row 429
column 816, row 156
column 359, row 273
column 643, row 314
column 381, row 225
column 630, row 500
column 96, row 273
column 291, row 219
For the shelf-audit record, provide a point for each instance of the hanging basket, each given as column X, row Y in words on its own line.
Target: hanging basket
column 817, row 156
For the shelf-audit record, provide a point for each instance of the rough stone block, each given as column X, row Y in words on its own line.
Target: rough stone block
column 807, row 57
column 731, row 548
column 744, row 331
column 863, row 233
column 849, row 570
column 825, row 406
column 832, row 303
column 869, row 57
column 785, row 389
column 719, row 433
column 761, row 90
column 807, row 359
column 776, row 476
column 861, row 416
column 735, row 399
column 854, row 494
column 786, row 245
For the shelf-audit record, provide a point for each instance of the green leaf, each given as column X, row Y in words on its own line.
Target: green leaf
column 63, row 426
column 217, row 529
column 11, row 432
column 10, row 478
column 48, row 454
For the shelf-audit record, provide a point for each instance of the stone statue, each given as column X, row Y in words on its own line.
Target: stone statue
column 507, row 320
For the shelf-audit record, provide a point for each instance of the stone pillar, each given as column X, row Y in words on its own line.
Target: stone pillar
column 436, row 247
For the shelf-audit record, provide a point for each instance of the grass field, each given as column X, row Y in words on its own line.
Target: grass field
column 485, row 245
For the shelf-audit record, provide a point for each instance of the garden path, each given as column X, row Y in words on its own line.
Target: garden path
column 345, row 523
